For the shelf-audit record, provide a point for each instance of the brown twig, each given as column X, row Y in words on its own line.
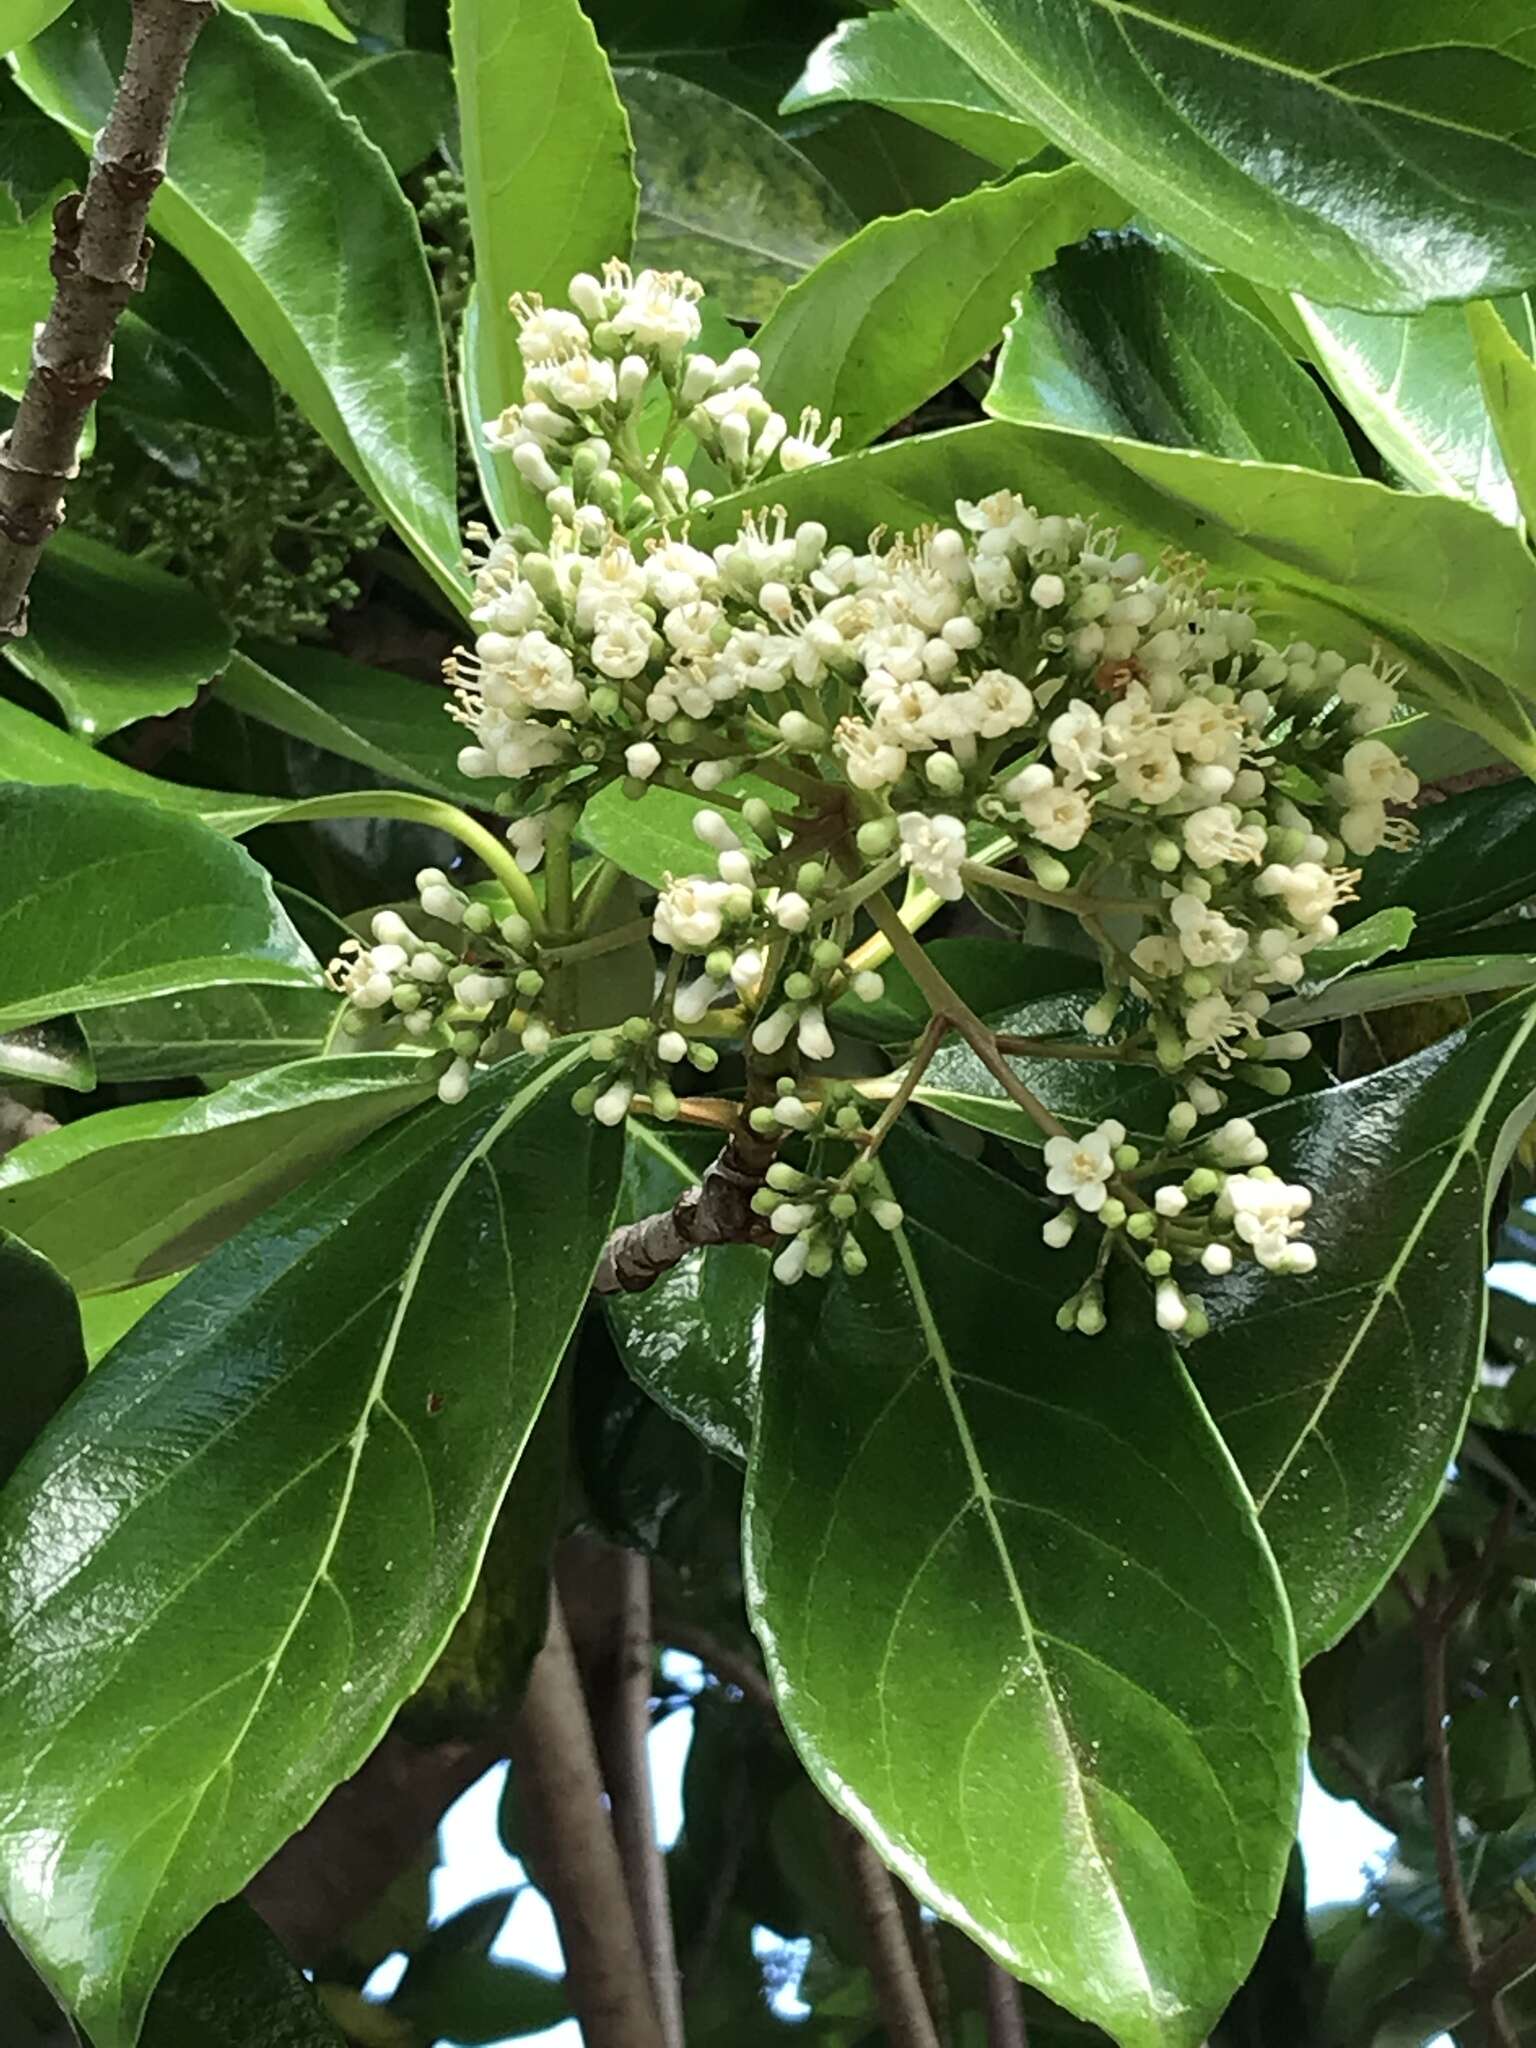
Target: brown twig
column 1436, row 1611
column 561, row 1791
column 903, row 2009
column 630, row 1792
column 924, row 1944
column 100, row 253
column 1005, row 2016
column 718, row 1211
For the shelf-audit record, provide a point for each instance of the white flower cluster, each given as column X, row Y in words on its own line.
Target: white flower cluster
column 1115, row 736
column 1226, row 1203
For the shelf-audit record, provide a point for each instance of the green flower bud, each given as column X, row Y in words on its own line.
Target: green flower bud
column 1165, row 855
column 799, row 987
column 1127, row 1158
column 826, row 956
column 1047, row 870
column 1112, row 1212
column 1159, row 1263
column 855, row 1259
column 763, row 1120
column 876, row 838
column 765, row 1201
column 810, row 877
column 478, row 917
column 702, row 1056
column 636, row 1029
column 529, row 983
column 759, row 816
column 844, row 1207
column 1205, row 1180
column 719, row 964
column 1141, row 1225
column 663, row 1101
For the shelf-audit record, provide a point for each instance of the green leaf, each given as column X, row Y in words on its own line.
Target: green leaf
column 209, row 1032
column 908, row 304
column 278, row 1487
column 548, row 174
column 1122, row 338
column 1412, row 384
column 892, row 61
column 103, row 899
column 104, row 1318
column 402, row 99
column 178, row 357
column 1440, row 583
column 46, row 1360
column 1323, row 150
column 991, row 975
column 1384, row 931
column 399, row 728
column 1343, row 1395
column 135, row 1193
column 652, row 836
column 1019, row 1616
column 340, row 306
column 53, row 1054
column 454, row 1987
column 725, row 198
column 1479, row 970
column 21, row 20
column 33, row 751
column 313, row 12
column 1474, row 856
column 37, row 159
column 26, row 293
column 693, row 1339
column 1504, row 340
column 230, row 1985
column 1081, row 1093
column 112, row 639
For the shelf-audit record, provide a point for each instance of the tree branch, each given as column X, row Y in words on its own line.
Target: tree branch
column 1436, row 1612
column 718, row 1211
column 561, row 1791
column 630, row 1792
column 924, row 1944
column 898, row 1989
column 1005, row 2016
column 100, row 253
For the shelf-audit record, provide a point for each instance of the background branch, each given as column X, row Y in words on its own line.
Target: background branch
column 100, row 252
column 561, row 1793
column 898, row 1989
column 1005, row 2016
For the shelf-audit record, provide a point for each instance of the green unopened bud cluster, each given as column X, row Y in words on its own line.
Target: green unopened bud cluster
column 816, row 1218
column 639, row 1057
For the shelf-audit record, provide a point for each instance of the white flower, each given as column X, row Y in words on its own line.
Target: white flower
column 677, row 574
column 1158, row 956
column 579, row 383
column 1218, row 834
column 660, row 310
column 1217, row 1259
column 1371, row 694
column 521, row 745
column 791, row 912
column 1081, row 1167
column 689, row 629
column 1237, row 1143
column 690, row 912
column 1170, row 1201
column 812, row 1035
column 1058, row 817
column 1210, row 1022
column 1001, row 522
column 1206, row 937
column 871, row 758
column 368, row 978
column 533, row 672
column 621, row 645
column 1077, row 743
column 642, row 760
column 1151, row 773
column 801, row 450
column 545, row 333
column 999, row 704
column 610, row 581
column 1171, row 1308
column 934, row 848
column 1363, row 827
column 612, row 1106
column 1266, row 1215
column 526, row 836
column 1373, row 773
column 1308, row 890
column 1048, row 592
column 1205, row 731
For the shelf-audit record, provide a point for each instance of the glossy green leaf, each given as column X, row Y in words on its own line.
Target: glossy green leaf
column 53, row 1054
column 1343, row 1395
column 209, row 1032
column 652, row 836
column 255, row 1525
column 32, row 750
column 21, row 20
column 178, row 357
column 693, row 1339
column 908, row 304
column 314, row 13
column 399, row 728
column 402, row 99
column 1412, row 384
column 1479, row 970
column 103, row 899
column 1123, row 338
column 724, row 197
column 138, row 1192
column 1475, row 855
column 1361, row 945
column 230, row 1985
column 45, row 1351
column 1019, row 1616
column 112, row 639
column 548, row 173
column 991, row 975
column 1081, row 1093
column 1504, row 339
column 1364, row 157
column 893, row 61
column 104, row 1318
column 37, row 159
column 1438, row 582
column 26, row 293
column 340, row 306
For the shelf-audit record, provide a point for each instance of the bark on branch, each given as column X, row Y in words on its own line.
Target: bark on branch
column 718, row 1211
column 100, row 253
column 561, row 1790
